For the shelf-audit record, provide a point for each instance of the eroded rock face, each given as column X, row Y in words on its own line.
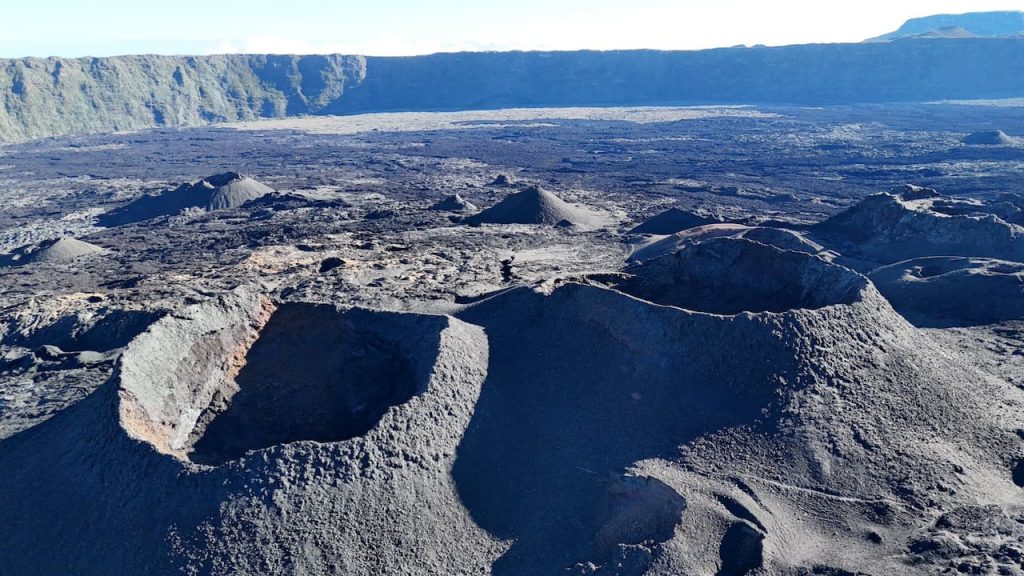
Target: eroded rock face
column 47, row 97
column 172, row 374
column 52, row 96
column 240, row 374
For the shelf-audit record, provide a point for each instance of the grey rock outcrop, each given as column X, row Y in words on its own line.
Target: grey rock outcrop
column 453, row 203
column 777, row 237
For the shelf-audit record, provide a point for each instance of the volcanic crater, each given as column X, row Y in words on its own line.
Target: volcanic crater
column 734, row 275
column 287, row 373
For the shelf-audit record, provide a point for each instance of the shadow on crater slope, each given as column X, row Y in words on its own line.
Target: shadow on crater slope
column 581, row 385
column 584, row 382
column 311, row 375
column 295, row 372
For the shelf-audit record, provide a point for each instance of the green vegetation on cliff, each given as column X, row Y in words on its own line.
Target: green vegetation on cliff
column 42, row 97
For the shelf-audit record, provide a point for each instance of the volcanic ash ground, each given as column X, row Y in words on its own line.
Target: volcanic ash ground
column 727, row 406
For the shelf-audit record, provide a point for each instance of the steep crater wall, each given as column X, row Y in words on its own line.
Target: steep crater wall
column 41, row 97
column 56, row 96
column 243, row 374
column 312, row 374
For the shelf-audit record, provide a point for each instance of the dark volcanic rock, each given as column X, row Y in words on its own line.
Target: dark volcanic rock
column 242, row 416
column 381, row 214
column 730, row 275
column 369, row 406
column 912, row 192
column 56, row 359
column 279, row 201
column 104, row 330
column 777, row 237
column 328, row 264
column 218, row 192
column 566, row 424
column 501, row 180
column 735, row 402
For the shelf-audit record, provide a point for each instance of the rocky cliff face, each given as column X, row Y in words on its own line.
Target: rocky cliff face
column 54, row 96
column 806, row 74
column 46, row 97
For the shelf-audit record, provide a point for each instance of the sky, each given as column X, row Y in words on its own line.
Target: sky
column 75, row 28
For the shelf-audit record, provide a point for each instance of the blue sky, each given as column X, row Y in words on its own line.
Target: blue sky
column 401, row 27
